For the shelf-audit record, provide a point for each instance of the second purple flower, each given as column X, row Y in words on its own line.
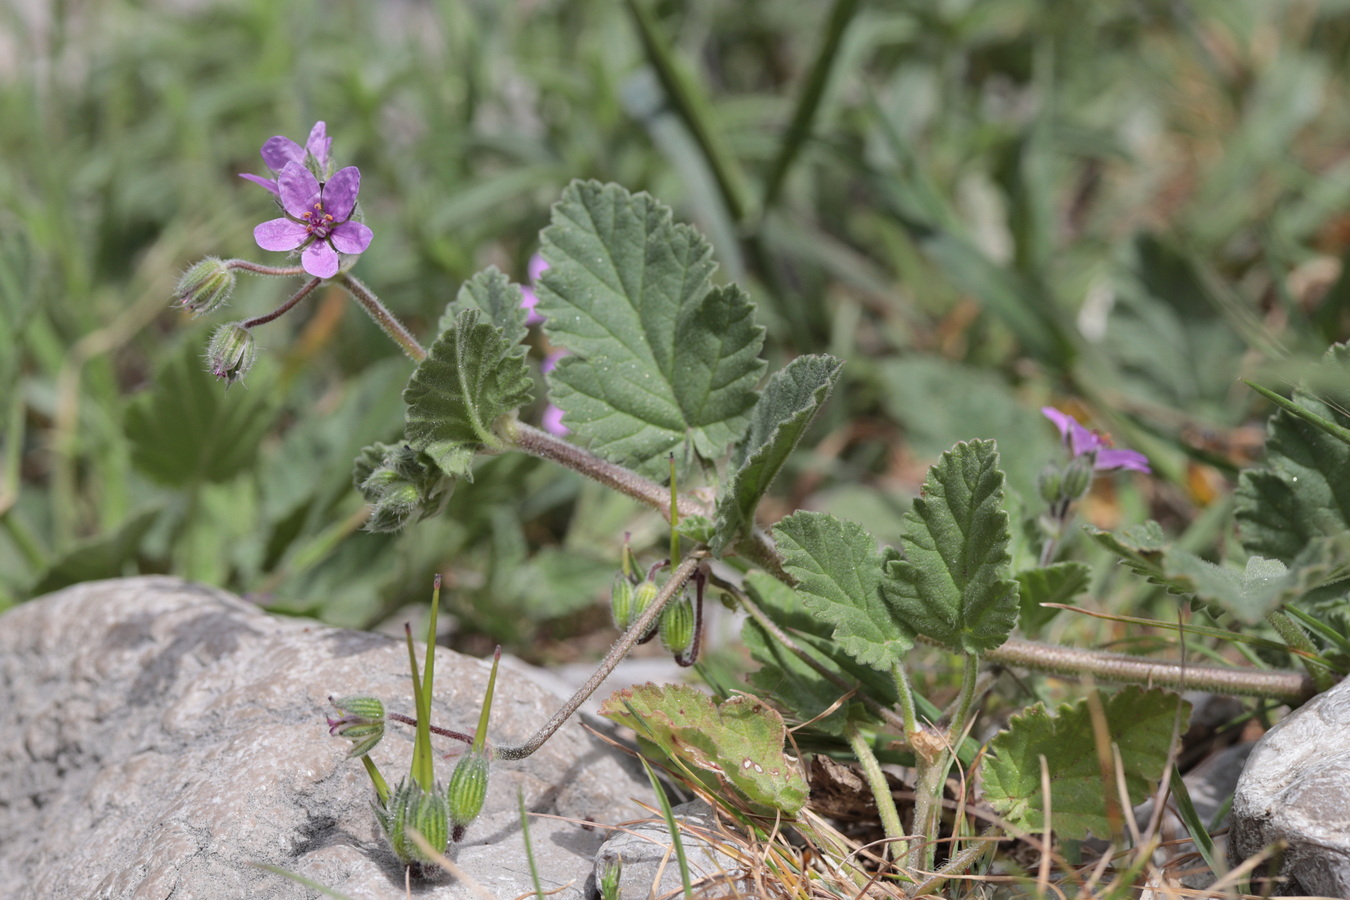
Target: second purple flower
column 318, row 218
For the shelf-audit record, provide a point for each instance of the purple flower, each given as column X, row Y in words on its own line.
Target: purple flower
column 552, row 420
column 1081, row 441
column 280, row 150
column 536, row 268
column 317, row 218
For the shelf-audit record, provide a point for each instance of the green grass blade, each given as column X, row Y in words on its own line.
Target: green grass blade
column 676, row 841
column 529, row 848
column 808, row 101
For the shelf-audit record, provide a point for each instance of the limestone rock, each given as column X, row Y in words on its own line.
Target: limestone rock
column 649, row 867
column 159, row 737
column 1296, row 786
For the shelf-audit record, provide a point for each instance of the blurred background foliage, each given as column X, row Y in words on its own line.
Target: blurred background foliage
column 983, row 206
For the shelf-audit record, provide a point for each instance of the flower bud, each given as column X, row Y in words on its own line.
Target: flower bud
column 468, row 789
column 231, row 352
column 361, row 721
column 611, row 878
column 205, row 287
column 1048, row 484
column 1078, row 476
column 677, row 625
column 643, row 596
column 621, row 601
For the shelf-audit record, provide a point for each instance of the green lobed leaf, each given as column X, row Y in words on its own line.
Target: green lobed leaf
column 471, row 376
column 1248, row 594
column 787, row 680
column 839, row 576
column 740, row 739
column 657, row 358
column 1138, row 721
column 781, row 416
column 500, row 300
column 1303, row 491
column 951, row 584
column 188, row 429
column 1057, row 583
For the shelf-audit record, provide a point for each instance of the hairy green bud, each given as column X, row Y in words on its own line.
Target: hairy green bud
column 205, row 287
column 411, row 807
column 621, row 601
column 361, row 721
column 231, row 353
column 677, row 625
column 467, row 791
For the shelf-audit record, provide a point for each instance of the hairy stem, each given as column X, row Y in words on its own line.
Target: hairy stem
column 1293, row 634
column 616, row 653
column 383, row 317
column 881, row 789
column 928, row 809
column 257, row 269
column 537, row 442
column 1291, row 687
column 970, row 676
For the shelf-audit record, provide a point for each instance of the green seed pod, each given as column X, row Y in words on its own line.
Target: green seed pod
column 677, row 625
column 610, row 879
column 361, row 721
column 411, row 807
column 621, row 601
column 642, row 598
column 467, row 791
column 205, row 287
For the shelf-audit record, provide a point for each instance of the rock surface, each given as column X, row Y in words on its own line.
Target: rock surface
column 649, row 867
column 1296, row 787
column 159, row 737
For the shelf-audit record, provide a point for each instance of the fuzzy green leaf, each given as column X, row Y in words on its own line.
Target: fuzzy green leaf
column 658, row 358
column 1248, row 594
column 1303, row 491
column 471, row 376
column 741, row 739
column 952, row 583
column 839, row 574
column 781, row 416
column 1138, row 721
column 1058, row 583
column 493, row 293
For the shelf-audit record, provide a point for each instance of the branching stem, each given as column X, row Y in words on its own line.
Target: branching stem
column 616, row 653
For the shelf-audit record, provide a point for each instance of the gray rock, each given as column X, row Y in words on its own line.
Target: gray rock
column 650, row 867
column 1296, row 787
column 158, row 737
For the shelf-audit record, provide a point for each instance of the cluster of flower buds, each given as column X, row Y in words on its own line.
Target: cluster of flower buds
column 401, row 484
column 360, row 720
column 678, row 624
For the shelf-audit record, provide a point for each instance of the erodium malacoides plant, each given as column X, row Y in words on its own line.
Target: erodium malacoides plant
column 657, row 381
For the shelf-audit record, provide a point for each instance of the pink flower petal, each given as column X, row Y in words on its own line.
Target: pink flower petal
column 320, row 260
column 339, row 194
column 351, row 237
column 298, row 189
column 280, row 234
column 552, row 421
column 536, row 267
column 1108, row 460
column 319, row 144
column 280, row 150
column 268, row 183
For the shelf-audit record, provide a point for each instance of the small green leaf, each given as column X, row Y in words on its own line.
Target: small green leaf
column 839, row 573
column 500, row 300
column 741, row 739
column 188, row 429
column 109, row 555
column 783, row 677
column 786, row 407
column 1138, row 721
column 471, row 376
column 1058, row 583
column 1303, row 491
column 658, row 358
column 1248, row 594
column 951, row 584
